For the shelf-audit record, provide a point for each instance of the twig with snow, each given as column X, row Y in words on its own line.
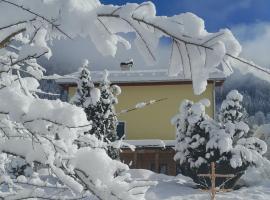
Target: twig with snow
column 141, row 105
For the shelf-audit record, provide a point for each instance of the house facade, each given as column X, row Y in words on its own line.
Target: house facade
column 149, row 128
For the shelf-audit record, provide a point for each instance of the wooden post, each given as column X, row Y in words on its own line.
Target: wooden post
column 213, row 177
column 213, row 181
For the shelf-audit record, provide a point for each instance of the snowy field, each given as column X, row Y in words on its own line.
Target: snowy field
column 182, row 188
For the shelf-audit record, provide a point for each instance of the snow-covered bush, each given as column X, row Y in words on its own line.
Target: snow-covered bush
column 98, row 104
column 201, row 140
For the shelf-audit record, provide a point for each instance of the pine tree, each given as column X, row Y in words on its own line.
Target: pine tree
column 202, row 140
column 191, row 136
column 98, row 104
column 231, row 108
column 84, row 86
column 233, row 115
column 104, row 116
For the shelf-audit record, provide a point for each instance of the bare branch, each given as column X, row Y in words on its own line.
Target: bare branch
column 55, row 146
column 242, row 60
column 3, row 131
column 189, row 61
column 21, row 84
column 57, row 123
column 5, row 42
column 42, row 197
column 38, row 15
column 4, row 86
column 227, row 65
column 86, row 185
column 17, row 23
column 135, row 29
column 34, row 56
column 210, row 39
column 105, row 27
column 117, row 9
column 172, row 50
column 44, row 185
column 180, row 52
column 34, row 35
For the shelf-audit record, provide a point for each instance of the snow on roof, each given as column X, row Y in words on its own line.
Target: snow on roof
column 154, row 143
column 138, row 76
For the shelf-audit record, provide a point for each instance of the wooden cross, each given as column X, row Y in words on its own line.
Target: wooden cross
column 213, row 176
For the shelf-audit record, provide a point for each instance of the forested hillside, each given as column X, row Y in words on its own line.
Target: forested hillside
column 256, row 94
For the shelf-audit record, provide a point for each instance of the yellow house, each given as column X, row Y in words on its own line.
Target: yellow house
column 149, row 128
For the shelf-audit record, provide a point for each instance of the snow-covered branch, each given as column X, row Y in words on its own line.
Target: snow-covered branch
column 190, row 41
column 141, row 105
column 37, row 15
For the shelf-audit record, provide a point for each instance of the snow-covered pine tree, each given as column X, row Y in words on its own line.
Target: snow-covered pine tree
column 84, row 95
column 98, row 104
column 232, row 118
column 191, row 137
column 233, row 114
column 201, row 140
column 231, row 108
column 103, row 116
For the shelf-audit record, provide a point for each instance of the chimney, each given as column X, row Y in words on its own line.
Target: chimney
column 126, row 66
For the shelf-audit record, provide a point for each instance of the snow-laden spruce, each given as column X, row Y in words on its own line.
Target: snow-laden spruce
column 201, row 139
column 98, row 104
column 86, row 94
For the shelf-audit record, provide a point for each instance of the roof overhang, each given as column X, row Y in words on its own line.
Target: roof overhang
column 138, row 78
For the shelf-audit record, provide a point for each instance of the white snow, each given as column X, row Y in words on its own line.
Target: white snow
column 94, row 97
column 103, row 169
column 256, row 183
column 134, row 76
column 150, row 143
column 140, row 105
column 47, row 132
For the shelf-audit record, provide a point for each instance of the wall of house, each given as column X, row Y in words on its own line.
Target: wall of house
column 158, row 160
column 153, row 122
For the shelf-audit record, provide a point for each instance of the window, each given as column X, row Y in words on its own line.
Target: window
column 120, row 129
column 163, row 169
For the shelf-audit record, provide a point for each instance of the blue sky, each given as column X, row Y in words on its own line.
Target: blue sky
column 216, row 13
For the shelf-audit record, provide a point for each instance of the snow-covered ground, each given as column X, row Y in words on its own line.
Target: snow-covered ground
column 182, row 188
